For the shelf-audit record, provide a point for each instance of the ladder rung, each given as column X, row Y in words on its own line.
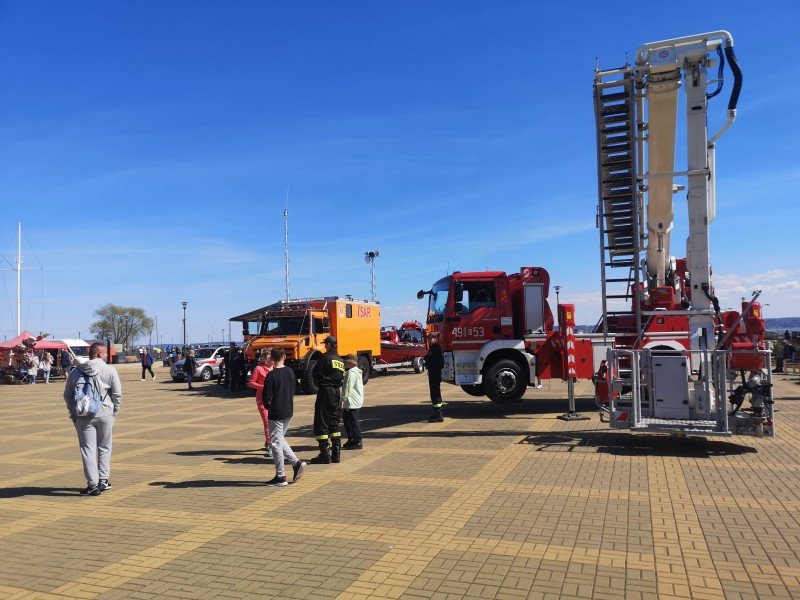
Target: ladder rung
column 615, row 96
column 615, row 118
column 614, row 128
column 615, row 109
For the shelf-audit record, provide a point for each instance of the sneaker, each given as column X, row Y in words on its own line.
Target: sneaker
column 104, row 485
column 154, row 377
column 142, row 378
column 353, row 446
column 91, row 490
column 299, row 467
column 277, row 482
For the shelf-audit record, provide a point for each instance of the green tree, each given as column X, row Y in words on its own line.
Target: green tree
column 120, row 323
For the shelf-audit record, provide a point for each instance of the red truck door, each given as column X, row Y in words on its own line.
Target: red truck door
column 476, row 310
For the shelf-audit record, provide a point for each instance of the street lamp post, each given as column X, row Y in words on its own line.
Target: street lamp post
column 127, row 329
column 558, row 289
column 184, row 323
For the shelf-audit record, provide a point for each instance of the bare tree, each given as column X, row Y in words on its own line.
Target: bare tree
column 120, row 323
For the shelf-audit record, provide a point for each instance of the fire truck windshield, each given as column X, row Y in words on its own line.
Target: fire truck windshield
column 438, row 300
column 285, row 325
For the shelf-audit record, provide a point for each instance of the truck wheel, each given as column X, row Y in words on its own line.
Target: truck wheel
column 474, row 390
column 307, row 379
column 366, row 368
column 418, row 364
column 504, row 382
column 206, row 374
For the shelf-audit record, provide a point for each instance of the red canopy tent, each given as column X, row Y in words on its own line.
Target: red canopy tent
column 46, row 344
column 14, row 342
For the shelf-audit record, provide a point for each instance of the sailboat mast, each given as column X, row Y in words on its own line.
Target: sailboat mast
column 19, row 278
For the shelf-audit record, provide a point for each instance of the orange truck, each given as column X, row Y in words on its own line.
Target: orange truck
column 301, row 326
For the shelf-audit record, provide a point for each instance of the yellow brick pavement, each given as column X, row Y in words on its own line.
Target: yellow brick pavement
column 497, row 502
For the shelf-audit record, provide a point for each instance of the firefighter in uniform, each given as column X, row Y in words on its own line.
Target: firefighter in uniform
column 434, row 363
column 328, row 375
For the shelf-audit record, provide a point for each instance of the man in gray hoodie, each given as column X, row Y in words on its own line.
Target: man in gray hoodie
column 94, row 433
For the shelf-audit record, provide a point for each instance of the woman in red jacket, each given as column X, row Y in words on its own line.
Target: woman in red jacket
column 256, row 382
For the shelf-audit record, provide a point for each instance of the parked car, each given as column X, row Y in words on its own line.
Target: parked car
column 208, row 363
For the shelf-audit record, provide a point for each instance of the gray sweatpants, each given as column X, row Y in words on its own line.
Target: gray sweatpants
column 280, row 447
column 94, row 437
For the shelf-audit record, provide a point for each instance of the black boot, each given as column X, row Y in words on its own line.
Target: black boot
column 324, row 457
column 336, row 454
column 437, row 416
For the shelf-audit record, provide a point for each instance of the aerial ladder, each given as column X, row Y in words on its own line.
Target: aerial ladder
column 675, row 362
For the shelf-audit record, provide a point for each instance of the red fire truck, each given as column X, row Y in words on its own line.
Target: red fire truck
column 497, row 333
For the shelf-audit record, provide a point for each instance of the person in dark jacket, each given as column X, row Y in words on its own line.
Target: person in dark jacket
column 147, row 363
column 278, row 397
column 236, row 367
column 189, row 367
column 787, row 355
column 328, row 375
column 434, row 363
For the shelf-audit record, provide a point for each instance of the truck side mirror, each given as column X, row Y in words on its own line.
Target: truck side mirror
column 420, row 294
column 458, row 291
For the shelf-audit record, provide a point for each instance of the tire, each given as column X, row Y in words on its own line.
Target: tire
column 474, row 390
column 504, row 381
column 418, row 365
column 366, row 368
column 206, row 374
column 307, row 377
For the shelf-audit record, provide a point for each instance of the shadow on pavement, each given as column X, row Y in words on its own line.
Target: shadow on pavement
column 18, row 492
column 224, row 452
column 205, row 483
column 631, row 444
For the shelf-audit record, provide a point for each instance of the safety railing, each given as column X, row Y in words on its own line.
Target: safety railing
column 721, row 400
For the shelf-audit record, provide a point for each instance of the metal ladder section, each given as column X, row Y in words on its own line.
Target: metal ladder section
column 619, row 207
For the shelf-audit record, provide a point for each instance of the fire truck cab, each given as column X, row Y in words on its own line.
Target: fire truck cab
column 497, row 333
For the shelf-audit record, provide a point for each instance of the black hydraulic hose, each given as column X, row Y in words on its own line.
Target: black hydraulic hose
column 720, row 75
column 737, row 77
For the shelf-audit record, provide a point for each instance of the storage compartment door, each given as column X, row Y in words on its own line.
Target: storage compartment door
column 534, row 307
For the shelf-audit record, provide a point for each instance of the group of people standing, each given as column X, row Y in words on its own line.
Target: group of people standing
column 233, row 370
column 340, row 394
column 43, row 363
column 340, row 397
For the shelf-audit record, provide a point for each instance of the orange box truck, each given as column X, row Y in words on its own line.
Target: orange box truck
column 301, row 326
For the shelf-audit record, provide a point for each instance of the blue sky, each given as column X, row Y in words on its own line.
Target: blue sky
column 146, row 147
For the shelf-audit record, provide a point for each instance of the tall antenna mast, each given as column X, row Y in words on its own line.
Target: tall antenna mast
column 286, row 242
column 19, row 278
column 369, row 258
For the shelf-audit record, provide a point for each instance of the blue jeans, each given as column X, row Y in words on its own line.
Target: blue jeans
column 351, row 425
column 189, row 380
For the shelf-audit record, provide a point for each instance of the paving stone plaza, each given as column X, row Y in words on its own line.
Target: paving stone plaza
column 496, row 502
